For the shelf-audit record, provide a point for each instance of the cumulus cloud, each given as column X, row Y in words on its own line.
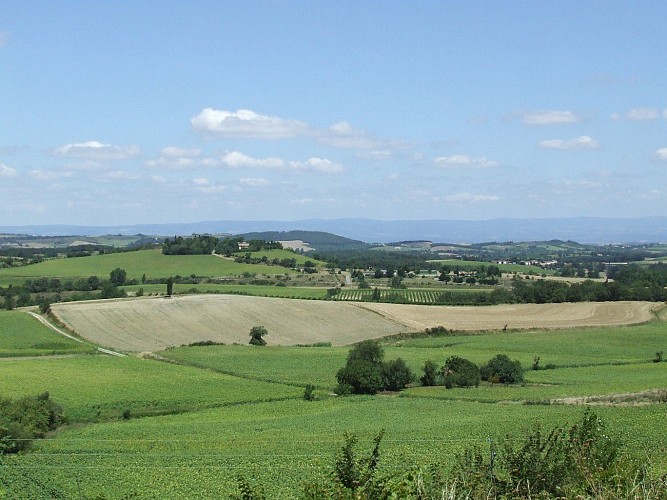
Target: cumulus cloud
column 470, row 198
column 244, row 123
column 549, row 117
column 236, row 159
column 94, row 150
column 583, row 142
column 464, row 161
column 175, row 157
column 637, row 115
column 320, row 165
column 6, row 171
column 661, row 154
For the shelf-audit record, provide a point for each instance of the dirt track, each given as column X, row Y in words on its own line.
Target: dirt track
column 151, row 324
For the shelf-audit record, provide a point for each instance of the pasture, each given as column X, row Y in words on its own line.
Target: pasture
column 152, row 263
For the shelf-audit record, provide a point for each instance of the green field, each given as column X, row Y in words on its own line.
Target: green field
column 230, row 410
column 23, row 335
column 152, row 263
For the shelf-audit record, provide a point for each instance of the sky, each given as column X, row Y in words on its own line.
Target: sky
column 123, row 112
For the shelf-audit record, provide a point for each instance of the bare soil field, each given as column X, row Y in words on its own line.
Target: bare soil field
column 517, row 316
column 150, row 324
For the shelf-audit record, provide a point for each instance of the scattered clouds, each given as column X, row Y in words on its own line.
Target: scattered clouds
column 94, row 150
column 583, row 142
column 200, row 181
column 6, row 171
column 176, row 152
column 464, row 161
column 549, row 117
column 244, row 123
column 660, row 154
column 470, row 198
column 638, row 115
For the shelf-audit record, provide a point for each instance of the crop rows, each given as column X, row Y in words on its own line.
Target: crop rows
column 423, row 297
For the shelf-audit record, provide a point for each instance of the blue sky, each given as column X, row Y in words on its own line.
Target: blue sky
column 161, row 111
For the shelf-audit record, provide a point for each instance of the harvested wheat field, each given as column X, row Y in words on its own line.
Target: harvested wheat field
column 517, row 316
column 150, row 324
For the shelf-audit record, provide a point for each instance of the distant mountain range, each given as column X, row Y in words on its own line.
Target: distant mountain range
column 581, row 229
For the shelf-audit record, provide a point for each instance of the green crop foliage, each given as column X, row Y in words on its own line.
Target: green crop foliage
column 254, row 290
column 101, row 387
column 149, row 262
column 23, row 335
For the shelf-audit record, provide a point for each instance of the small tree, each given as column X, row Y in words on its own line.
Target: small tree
column 430, row 376
column 396, row 375
column 362, row 374
column 256, row 335
column 170, row 286
column 460, row 372
column 118, row 276
column 501, row 369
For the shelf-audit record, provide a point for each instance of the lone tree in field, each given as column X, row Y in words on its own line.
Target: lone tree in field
column 118, row 276
column 256, row 334
column 501, row 369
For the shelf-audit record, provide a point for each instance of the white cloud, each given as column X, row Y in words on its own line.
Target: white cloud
column 175, row 157
column 94, row 150
column 342, row 135
column 320, row 165
column 549, row 117
column 255, row 182
column 158, row 179
column 639, row 115
column 470, row 198
column 236, row 159
column 200, row 181
column 583, row 142
column 246, row 124
column 6, row 171
column 661, row 154
column 464, row 161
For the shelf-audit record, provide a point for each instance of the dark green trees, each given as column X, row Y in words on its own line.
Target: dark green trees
column 366, row 372
column 460, row 372
column 256, row 335
column 501, row 369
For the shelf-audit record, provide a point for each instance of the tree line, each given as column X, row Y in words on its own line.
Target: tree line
column 202, row 244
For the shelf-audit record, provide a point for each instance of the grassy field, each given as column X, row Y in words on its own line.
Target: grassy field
column 230, row 410
column 152, row 263
column 23, row 335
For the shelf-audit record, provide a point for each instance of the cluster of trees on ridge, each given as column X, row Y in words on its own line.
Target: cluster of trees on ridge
column 366, row 371
column 202, row 244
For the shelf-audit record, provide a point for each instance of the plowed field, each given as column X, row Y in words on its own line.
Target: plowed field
column 151, row 324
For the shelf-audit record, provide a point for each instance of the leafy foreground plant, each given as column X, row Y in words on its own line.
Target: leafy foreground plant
column 581, row 462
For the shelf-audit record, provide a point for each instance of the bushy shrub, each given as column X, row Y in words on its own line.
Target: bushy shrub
column 501, row 369
column 460, row 372
column 430, row 376
column 397, row 375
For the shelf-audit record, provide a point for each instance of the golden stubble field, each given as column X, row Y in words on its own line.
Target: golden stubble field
column 155, row 323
